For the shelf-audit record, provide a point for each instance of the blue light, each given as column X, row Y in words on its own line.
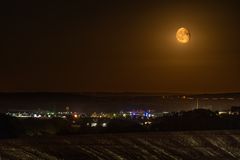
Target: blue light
column 146, row 114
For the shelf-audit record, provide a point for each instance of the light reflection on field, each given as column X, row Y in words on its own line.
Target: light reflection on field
column 161, row 145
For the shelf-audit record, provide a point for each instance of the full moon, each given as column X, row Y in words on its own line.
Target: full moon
column 183, row 35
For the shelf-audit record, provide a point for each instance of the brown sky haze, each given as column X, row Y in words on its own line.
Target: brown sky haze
column 120, row 46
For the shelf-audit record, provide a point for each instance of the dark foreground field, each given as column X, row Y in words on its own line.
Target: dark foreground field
column 204, row 145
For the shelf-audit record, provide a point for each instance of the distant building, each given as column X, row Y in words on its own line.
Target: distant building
column 30, row 113
column 235, row 110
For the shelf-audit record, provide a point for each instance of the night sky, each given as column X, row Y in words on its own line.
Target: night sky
column 120, row 46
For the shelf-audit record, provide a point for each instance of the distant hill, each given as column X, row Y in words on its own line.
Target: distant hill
column 113, row 102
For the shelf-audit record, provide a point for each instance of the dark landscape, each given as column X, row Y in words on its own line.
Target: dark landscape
column 194, row 145
column 197, row 133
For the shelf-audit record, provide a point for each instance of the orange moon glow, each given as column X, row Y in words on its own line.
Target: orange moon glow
column 183, row 35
